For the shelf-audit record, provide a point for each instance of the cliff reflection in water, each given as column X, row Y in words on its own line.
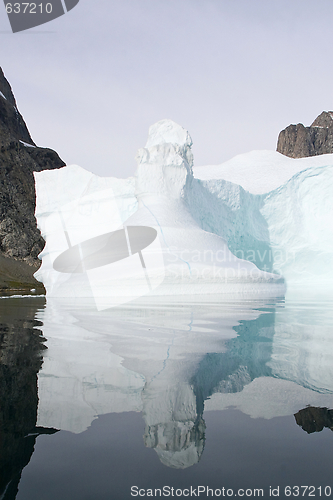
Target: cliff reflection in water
column 21, row 347
column 172, row 362
column 313, row 419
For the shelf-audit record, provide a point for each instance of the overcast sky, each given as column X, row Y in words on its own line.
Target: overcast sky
column 232, row 72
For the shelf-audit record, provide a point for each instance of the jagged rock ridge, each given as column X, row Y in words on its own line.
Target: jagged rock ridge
column 298, row 141
column 20, row 240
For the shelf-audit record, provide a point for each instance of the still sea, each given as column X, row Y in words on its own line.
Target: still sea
column 208, row 398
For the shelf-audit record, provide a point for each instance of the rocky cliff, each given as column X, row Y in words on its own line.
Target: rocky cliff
column 298, row 141
column 20, row 240
column 21, row 350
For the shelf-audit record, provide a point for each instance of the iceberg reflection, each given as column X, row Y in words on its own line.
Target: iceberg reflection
column 173, row 362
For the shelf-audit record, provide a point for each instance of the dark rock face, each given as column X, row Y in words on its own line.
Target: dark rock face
column 21, row 351
column 20, row 240
column 298, row 141
column 21, row 346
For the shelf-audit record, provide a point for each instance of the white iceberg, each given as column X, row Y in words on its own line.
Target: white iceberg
column 115, row 240
column 244, row 227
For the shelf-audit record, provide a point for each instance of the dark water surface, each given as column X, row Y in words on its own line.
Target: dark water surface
column 233, row 396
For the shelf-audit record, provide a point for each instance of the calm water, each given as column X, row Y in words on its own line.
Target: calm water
column 233, row 396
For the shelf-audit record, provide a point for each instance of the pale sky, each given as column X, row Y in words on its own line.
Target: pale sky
column 232, row 72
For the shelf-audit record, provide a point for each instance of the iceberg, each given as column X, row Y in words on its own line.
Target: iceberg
column 114, row 240
column 273, row 211
column 254, row 225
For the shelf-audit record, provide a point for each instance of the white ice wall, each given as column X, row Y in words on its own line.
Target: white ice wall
column 287, row 230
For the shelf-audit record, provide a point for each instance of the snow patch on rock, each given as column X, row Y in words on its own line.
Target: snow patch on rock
column 27, row 145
